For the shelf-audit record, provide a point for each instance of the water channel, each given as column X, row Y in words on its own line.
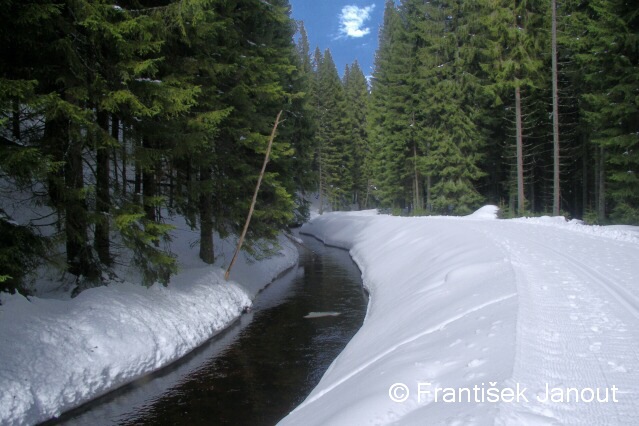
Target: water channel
column 259, row 369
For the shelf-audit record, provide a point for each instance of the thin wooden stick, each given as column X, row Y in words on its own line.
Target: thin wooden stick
column 257, row 188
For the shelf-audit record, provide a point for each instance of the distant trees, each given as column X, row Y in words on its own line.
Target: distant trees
column 115, row 115
column 425, row 107
column 356, row 95
column 462, row 113
column 339, row 108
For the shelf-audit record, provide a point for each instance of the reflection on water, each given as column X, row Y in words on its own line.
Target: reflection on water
column 263, row 366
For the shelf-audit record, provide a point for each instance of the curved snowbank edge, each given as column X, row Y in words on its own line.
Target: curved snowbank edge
column 59, row 354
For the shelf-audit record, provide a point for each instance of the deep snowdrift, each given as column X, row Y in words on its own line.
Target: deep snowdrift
column 57, row 354
column 460, row 306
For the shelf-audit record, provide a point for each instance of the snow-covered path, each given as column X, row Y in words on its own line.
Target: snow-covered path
column 459, row 303
column 577, row 321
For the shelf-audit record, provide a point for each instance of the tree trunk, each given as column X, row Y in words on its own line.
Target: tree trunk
column 368, row 186
column 429, row 201
column 321, row 189
column 79, row 258
column 520, row 154
column 601, row 186
column 595, row 180
column 56, row 136
column 556, row 196
column 533, row 194
column 137, row 166
column 124, row 161
column 190, row 190
column 171, row 184
column 115, row 134
column 15, row 119
column 207, row 253
column 102, row 198
column 416, row 200
column 584, row 179
column 149, row 185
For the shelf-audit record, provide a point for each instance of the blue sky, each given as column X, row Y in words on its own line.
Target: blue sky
column 349, row 28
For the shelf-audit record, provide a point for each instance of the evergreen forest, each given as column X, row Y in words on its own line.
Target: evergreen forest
column 118, row 116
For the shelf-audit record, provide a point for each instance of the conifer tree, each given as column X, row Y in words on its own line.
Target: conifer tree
column 391, row 111
column 356, row 92
column 196, row 86
column 604, row 35
column 335, row 154
column 27, row 34
column 260, row 87
column 511, row 59
column 300, row 128
column 450, row 83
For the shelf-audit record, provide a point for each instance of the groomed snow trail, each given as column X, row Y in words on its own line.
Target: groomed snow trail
column 455, row 303
column 577, row 325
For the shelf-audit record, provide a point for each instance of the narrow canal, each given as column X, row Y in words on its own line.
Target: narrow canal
column 262, row 367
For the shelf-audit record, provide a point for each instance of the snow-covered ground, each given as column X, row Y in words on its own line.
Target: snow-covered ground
column 462, row 311
column 57, row 352
column 474, row 320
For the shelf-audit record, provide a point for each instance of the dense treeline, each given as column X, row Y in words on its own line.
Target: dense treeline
column 461, row 111
column 461, row 107
column 339, row 115
column 116, row 115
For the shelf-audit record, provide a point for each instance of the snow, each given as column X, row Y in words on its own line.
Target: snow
column 57, row 354
column 507, row 310
column 148, row 80
column 486, row 212
column 474, row 320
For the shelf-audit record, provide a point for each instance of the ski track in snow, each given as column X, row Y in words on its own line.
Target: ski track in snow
column 576, row 327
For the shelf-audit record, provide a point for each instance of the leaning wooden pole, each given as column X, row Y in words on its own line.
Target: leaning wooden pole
column 257, row 188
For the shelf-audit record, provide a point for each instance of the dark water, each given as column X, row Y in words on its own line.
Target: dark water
column 259, row 369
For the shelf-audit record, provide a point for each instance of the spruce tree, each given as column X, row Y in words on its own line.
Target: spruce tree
column 299, row 128
column 450, row 83
column 512, row 61
column 604, row 35
column 27, row 36
column 260, row 87
column 356, row 92
column 391, row 112
column 335, row 155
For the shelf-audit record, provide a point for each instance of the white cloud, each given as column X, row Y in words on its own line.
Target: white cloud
column 352, row 20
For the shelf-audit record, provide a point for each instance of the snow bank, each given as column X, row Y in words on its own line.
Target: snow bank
column 442, row 310
column 486, row 212
column 58, row 354
column 478, row 303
